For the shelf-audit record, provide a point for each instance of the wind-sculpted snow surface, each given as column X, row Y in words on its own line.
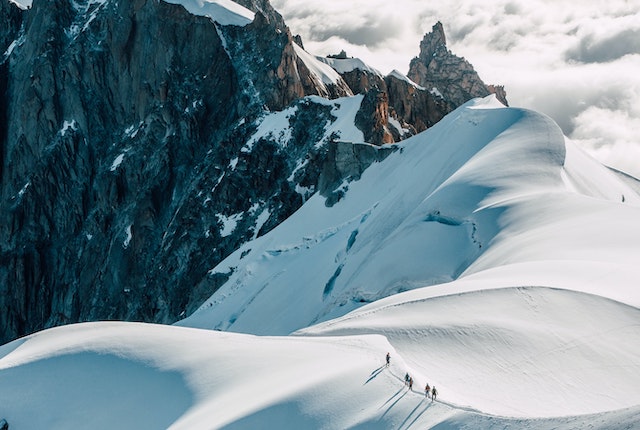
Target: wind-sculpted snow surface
column 521, row 252
column 520, row 352
column 142, row 376
column 489, row 257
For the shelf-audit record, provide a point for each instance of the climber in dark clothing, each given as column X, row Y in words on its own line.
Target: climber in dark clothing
column 388, row 359
column 434, row 393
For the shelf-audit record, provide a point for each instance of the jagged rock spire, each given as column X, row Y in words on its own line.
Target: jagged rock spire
column 454, row 77
column 434, row 40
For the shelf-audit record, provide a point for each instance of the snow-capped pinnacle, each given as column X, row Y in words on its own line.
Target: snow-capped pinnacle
column 397, row 74
column 327, row 81
column 224, row 12
column 344, row 65
column 22, row 4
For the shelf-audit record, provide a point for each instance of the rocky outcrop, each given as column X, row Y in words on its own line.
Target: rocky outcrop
column 100, row 141
column 373, row 117
column 330, row 166
column 396, row 99
column 436, row 68
column 266, row 9
column 132, row 158
column 270, row 71
column 12, row 20
column 415, row 107
column 121, row 122
column 393, row 98
column 359, row 77
column 362, row 81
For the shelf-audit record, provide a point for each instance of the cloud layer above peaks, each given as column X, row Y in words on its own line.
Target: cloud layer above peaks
column 576, row 63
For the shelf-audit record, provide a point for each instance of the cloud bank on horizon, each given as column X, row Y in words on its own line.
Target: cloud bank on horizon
column 577, row 64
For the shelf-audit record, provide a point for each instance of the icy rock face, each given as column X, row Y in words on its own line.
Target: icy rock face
column 12, row 18
column 109, row 108
column 373, row 117
column 411, row 107
column 121, row 155
column 454, row 77
column 415, row 106
column 133, row 155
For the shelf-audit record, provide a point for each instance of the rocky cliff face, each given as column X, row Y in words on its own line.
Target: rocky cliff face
column 141, row 144
column 121, row 121
column 438, row 68
column 12, row 19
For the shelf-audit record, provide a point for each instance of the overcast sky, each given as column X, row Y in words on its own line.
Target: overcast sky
column 578, row 62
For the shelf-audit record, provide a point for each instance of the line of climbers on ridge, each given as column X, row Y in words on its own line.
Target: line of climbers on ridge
column 408, row 381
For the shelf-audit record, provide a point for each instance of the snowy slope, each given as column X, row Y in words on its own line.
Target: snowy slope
column 398, row 75
column 345, row 65
column 276, row 125
column 324, row 74
column 520, row 352
column 142, row 376
column 224, row 12
column 486, row 188
column 22, row 4
column 493, row 260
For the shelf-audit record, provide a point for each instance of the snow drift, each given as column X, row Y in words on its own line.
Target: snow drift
column 224, row 12
column 493, row 260
column 487, row 188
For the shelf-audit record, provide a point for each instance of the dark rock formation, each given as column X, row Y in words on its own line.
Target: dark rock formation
column 358, row 76
column 99, row 142
column 119, row 123
column 344, row 160
column 132, row 159
column 415, row 107
column 373, row 117
column 361, row 81
column 454, row 77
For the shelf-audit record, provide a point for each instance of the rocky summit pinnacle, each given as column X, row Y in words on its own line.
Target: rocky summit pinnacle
column 141, row 144
column 437, row 68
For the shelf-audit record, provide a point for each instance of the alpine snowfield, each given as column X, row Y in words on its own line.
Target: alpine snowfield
column 490, row 257
column 224, row 12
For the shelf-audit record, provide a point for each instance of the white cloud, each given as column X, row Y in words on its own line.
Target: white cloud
column 577, row 64
column 611, row 136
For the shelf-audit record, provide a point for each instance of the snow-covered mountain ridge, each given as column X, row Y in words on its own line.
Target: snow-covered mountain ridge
column 488, row 255
column 484, row 189
column 541, row 302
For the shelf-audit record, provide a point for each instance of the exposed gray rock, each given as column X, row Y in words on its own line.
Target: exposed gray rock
column 126, row 172
column 12, row 20
column 121, row 121
column 362, row 81
column 454, row 77
column 416, row 108
column 343, row 160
